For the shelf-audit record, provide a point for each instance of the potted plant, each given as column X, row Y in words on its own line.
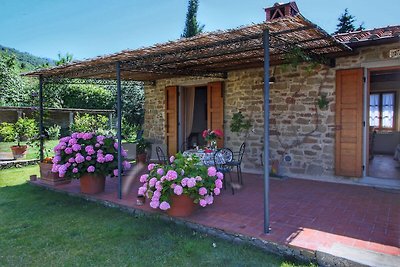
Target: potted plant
column 180, row 186
column 142, row 146
column 89, row 158
column 211, row 137
column 24, row 129
column 49, row 177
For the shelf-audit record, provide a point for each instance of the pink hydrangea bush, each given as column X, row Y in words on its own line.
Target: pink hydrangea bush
column 185, row 175
column 87, row 153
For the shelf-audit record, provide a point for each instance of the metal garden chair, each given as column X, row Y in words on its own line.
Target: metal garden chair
column 222, row 157
column 237, row 162
column 161, row 156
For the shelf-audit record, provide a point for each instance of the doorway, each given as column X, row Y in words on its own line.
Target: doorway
column 383, row 109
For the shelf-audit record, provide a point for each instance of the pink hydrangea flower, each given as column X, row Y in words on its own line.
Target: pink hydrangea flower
column 159, row 186
column 88, row 158
column 160, row 171
column 157, row 194
column 108, row 157
column 151, row 166
column 172, row 159
column 71, row 160
column 100, row 158
column 91, row 168
column 79, row 158
column 220, row 175
column 123, row 153
column 56, row 159
column 212, row 171
column 143, row 178
column 126, row 165
column 209, row 199
column 72, row 141
column 74, row 135
column 100, row 139
column 154, row 204
column 68, row 150
column 75, row 170
column 184, row 181
column 164, row 205
column 202, row 191
column 67, row 164
column 79, row 135
column 76, row 147
column 142, row 190
column 218, row 183
column 55, row 168
column 87, row 136
column 152, row 182
column 178, row 190
column 171, row 175
column 217, row 191
column 203, row 202
column 90, row 150
column 115, row 145
column 65, row 139
column 191, row 182
column 115, row 172
column 173, row 186
column 198, row 178
column 97, row 145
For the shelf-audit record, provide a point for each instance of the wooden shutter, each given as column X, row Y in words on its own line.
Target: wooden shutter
column 215, row 108
column 171, row 119
column 349, row 122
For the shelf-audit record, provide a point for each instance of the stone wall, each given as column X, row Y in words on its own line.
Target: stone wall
column 302, row 136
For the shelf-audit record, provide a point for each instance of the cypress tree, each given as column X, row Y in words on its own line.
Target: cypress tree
column 192, row 26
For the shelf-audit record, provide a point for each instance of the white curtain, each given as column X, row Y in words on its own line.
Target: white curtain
column 189, row 109
column 387, row 110
column 374, row 110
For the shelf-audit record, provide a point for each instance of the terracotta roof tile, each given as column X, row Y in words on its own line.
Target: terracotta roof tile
column 367, row 35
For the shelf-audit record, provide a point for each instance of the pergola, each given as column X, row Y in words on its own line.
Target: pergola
column 207, row 55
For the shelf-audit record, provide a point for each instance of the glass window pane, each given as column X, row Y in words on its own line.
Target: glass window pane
column 387, row 110
column 374, row 110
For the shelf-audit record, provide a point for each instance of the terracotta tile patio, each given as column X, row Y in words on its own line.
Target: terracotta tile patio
column 304, row 214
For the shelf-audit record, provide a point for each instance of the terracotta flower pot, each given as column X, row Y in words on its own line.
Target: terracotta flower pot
column 92, row 183
column 49, row 177
column 19, row 151
column 181, row 206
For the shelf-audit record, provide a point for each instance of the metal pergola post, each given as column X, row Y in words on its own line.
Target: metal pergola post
column 266, row 131
column 119, row 128
column 41, row 129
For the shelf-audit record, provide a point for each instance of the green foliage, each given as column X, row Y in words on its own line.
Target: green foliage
column 7, row 132
column 11, row 85
column 87, row 96
column 25, row 129
column 64, row 59
column 192, row 26
column 142, row 145
column 346, row 23
column 322, row 102
column 54, row 132
column 89, row 123
column 239, row 124
column 129, row 131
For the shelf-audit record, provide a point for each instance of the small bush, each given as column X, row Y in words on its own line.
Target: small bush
column 54, row 132
column 7, row 133
column 25, row 129
column 90, row 123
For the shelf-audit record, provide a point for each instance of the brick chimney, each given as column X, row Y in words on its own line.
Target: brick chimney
column 279, row 10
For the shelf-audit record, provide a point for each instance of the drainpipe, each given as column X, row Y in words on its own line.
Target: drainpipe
column 266, row 131
column 119, row 128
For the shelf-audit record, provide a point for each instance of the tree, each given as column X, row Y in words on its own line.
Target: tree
column 192, row 26
column 346, row 23
column 11, row 85
column 67, row 58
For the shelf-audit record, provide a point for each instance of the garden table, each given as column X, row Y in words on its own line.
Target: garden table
column 206, row 157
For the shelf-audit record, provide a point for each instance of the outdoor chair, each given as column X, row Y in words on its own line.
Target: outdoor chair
column 237, row 162
column 221, row 159
column 153, row 157
column 161, row 156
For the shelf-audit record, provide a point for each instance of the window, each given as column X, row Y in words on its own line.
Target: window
column 381, row 110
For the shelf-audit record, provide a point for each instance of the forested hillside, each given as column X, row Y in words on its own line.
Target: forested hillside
column 26, row 61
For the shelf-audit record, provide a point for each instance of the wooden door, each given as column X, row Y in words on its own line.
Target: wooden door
column 215, row 108
column 171, row 119
column 349, row 122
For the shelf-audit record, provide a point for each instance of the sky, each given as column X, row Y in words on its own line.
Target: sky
column 90, row 28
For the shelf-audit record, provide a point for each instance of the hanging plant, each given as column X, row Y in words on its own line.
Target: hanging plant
column 239, row 123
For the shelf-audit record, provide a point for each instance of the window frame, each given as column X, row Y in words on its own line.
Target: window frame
column 380, row 105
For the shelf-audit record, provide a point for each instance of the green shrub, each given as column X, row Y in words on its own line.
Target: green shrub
column 7, row 133
column 90, row 123
column 88, row 96
column 54, row 132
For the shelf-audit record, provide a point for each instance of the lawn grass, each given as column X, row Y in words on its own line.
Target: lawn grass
column 16, row 176
column 33, row 151
column 43, row 228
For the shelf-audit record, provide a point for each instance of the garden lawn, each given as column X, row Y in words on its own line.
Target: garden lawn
column 33, row 151
column 43, row 228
